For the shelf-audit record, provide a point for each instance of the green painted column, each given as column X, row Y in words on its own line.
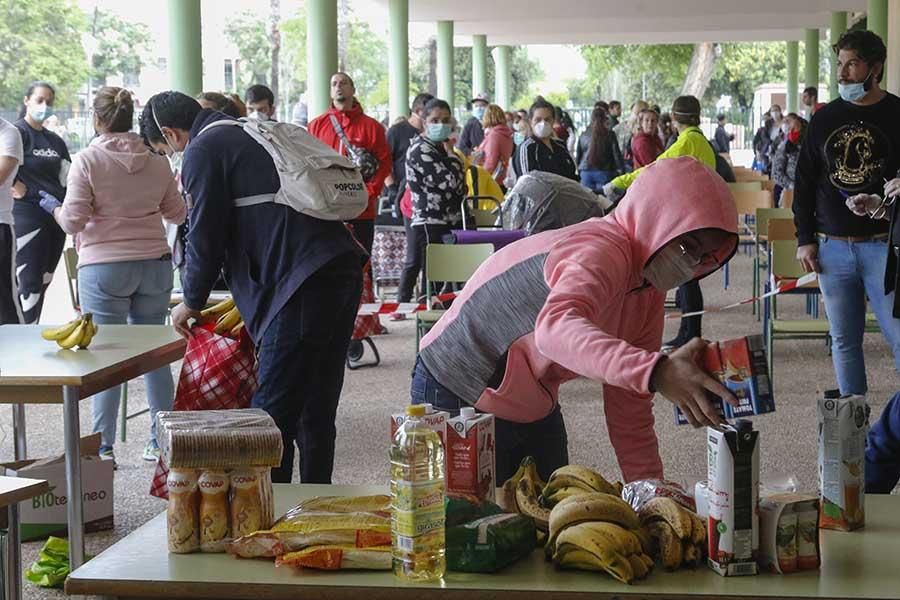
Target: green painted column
column 398, row 67
column 185, row 48
column 793, row 52
column 479, row 64
column 445, row 89
column 877, row 18
column 504, row 79
column 811, row 47
column 321, row 53
column 838, row 27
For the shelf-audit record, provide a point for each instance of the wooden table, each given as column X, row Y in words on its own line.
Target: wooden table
column 12, row 491
column 35, row 371
column 861, row 564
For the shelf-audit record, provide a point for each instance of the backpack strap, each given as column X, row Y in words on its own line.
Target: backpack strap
column 339, row 130
column 222, row 122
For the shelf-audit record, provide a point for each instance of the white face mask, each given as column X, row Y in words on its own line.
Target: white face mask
column 785, row 128
column 543, row 130
column 672, row 267
column 258, row 116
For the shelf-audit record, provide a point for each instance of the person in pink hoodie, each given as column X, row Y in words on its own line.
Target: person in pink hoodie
column 118, row 194
column 495, row 152
column 586, row 300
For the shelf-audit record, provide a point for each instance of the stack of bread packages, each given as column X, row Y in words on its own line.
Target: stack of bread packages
column 220, row 475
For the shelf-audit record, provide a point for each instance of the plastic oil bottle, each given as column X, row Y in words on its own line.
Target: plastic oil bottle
column 417, row 491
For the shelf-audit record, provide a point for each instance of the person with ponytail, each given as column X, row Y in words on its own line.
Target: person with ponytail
column 599, row 157
column 39, row 239
column 119, row 191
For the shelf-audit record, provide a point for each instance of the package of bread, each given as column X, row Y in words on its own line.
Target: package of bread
column 248, row 513
column 183, row 511
column 219, row 439
column 214, row 511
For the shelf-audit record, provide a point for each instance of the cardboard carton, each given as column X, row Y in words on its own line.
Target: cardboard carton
column 741, row 366
column 843, row 425
column 789, row 533
column 45, row 515
column 471, row 455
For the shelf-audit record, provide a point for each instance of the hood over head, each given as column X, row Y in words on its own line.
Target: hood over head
column 127, row 149
column 673, row 197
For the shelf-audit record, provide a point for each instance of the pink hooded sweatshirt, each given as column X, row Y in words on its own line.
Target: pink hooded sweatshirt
column 573, row 302
column 498, row 148
column 117, row 196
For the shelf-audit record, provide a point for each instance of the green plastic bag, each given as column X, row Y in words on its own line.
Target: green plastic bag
column 52, row 566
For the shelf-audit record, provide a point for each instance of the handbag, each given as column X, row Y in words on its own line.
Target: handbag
column 364, row 160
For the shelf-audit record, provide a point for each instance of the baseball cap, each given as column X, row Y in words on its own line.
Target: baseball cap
column 481, row 97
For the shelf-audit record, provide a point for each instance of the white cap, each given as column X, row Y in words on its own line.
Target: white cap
column 467, row 412
column 429, row 408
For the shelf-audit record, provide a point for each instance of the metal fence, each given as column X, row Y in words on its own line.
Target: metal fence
column 76, row 128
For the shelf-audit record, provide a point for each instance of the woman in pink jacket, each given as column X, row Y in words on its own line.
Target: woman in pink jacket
column 496, row 150
column 118, row 194
column 586, row 300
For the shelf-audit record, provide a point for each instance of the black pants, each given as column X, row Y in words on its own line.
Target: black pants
column 364, row 232
column 10, row 311
column 417, row 238
column 544, row 440
column 689, row 298
column 301, row 367
column 40, row 245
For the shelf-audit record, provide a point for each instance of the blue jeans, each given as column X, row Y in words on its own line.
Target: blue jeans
column 544, row 440
column 595, row 180
column 850, row 272
column 135, row 292
column 301, row 367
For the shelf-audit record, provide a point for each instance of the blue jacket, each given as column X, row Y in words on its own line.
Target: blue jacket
column 268, row 250
column 883, row 450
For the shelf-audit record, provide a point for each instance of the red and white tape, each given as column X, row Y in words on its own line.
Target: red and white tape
column 405, row 308
column 782, row 287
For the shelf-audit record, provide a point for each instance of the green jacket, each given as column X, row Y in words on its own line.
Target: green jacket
column 690, row 142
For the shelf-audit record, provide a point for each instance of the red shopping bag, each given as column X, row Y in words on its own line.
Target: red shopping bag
column 367, row 325
column 218, row 372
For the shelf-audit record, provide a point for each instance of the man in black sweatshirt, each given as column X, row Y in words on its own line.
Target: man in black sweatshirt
column 296, row 279
column 852, row 147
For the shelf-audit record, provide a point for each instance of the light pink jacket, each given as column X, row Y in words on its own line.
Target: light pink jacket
column 117, row 195
column 498, row 148
column 573, row 302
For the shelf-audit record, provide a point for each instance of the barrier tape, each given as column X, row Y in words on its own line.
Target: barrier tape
column 405, row 308
column 782, row 287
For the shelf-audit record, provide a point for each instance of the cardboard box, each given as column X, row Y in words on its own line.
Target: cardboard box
column 733, row 473
column 742, row 367
column 843, row 425
column 45, row 515
column 471, row 456
column 789, row 533
column 436, row 420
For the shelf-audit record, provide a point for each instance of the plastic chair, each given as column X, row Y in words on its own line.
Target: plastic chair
column 449, row 263
column 787, row 199
column 484, row 218
column 763, row 215
column 746, row 186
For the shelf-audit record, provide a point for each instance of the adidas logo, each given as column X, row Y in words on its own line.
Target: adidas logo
column 45, row 153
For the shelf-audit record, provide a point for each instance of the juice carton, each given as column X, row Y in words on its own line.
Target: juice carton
column 436, row 420
column 471, row 456
column 741, row 366
column 733, row 473
column 789, row 533
column 843, row 427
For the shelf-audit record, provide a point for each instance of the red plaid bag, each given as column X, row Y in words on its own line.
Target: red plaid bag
column 218, row 373
column 367, row 325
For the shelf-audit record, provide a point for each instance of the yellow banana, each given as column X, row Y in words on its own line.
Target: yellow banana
column 622, row 539
column 73, row 338
column 588, row 477
column 508, row 489
column 561, row 494
column 698, row 530
column 219, row 308
column 592, row 507
column 63, row 331
column 90, row 330
column 527, row 502
column 236, row 330
column 586, row 552
column 666, row 509
column 690, row 554
column 228, row 321
column 647, row 560
column 555, row 484
column 532, row 472
column 638, row 566
column 573, row 557
column 670, row 549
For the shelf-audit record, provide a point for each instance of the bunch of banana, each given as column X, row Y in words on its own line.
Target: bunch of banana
column 596, row 531
column 521, row 494
column 228, row 317
column 575, row 480
column 679, row 533
column 77, row 332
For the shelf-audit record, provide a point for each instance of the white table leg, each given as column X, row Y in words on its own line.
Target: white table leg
column 12, row 586
column 21, row 452
column 75, row 505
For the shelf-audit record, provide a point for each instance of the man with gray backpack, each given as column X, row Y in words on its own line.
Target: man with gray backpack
column 295, row 277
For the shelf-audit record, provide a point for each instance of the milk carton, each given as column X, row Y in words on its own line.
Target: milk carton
column 471, row 456
column 436, row 420
column 733, row 473
column 843, row 427
column 741, row 366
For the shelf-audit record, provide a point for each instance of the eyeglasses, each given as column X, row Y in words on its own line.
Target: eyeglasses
column 706, row 260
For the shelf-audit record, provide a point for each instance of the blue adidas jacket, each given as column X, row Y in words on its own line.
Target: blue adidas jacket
column 883, row 450
column 267, row 250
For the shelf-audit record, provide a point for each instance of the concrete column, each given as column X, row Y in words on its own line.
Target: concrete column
column 321, row 53
column 877, row 17
column 445, row 89
column 892, row 70
column 811, row 45
column 398, row 68
column 479, row 65
column 502, row 70
column 793, row 52
column 185, row 48
column 838, row 27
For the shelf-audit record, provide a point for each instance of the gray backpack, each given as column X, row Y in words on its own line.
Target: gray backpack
column 315, row 180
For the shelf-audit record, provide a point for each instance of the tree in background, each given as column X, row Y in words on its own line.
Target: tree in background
column 248, row 32
column 41, row 40
column 745, row 66
column 122, row 47
column 627, row 73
